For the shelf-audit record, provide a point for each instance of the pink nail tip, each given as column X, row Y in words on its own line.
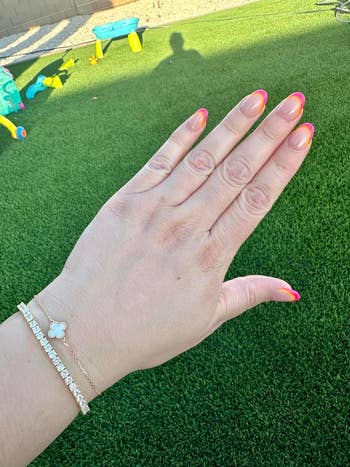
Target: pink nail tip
column 300, row 96
column 296, row 295
column 204, row 112
column 263, row 93
column 310, row 127
column 292, row 293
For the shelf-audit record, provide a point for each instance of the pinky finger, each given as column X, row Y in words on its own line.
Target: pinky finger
column 169, row 155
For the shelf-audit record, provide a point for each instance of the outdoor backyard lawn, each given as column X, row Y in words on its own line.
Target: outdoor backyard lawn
column 272, row 386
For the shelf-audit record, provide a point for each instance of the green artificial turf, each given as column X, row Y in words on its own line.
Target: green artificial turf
column 271, row 387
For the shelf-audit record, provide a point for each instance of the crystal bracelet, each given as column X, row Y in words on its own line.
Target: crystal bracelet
column 55, row 359
column 58, row 331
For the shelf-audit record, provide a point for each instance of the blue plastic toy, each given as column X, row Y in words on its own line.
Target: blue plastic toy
column 116, row 29
column 124, row 27
column 36, row 87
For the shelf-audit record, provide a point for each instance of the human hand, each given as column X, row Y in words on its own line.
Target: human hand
column 145, row 280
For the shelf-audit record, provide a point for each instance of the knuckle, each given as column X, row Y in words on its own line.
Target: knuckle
column 224, row 304
column 118, row 206
column 210, row 256
column 161, row 163
column 176, row 139
column 174, row 234
column 236, row 172
column 250, row 294
column 256, row 200
column 231, row 128
column 200, row 162
column 268, row 134
column 281, row 167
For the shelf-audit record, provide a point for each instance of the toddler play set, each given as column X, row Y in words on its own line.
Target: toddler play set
column 10, row 101
column 10, row 98
column 122, row 28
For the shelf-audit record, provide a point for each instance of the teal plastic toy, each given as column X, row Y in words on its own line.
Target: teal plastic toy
column 36, row 87
column 10, row 101
column 10, row 98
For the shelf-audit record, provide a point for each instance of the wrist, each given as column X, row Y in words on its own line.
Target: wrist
column 87, row 338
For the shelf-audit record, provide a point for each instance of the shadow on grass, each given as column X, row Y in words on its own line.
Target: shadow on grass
column 183, row 61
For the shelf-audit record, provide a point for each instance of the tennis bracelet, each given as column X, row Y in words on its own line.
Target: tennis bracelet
column 54, row 358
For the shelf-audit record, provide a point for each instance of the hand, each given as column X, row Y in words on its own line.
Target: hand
column 145, row 280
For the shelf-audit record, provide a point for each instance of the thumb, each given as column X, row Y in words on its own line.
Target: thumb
column 242, row 293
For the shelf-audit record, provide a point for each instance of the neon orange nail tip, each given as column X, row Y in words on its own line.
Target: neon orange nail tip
column 263, row 94
column 311, row 130
column 204, row 114
column 293, row 294
column 300, row 96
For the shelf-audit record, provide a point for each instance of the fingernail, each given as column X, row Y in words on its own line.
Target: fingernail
column 292, row 106
column 293, row 295
column 301, row 136
column 254, row 103
column 199, row 119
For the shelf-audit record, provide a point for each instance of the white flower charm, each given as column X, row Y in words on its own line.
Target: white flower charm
column 57, row 329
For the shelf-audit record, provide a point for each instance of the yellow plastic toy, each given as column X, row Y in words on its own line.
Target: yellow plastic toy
column 93, row 60
column 66, row 65
column 134, row 42
column 17, row 132
column 98, row 49
column 53, row 82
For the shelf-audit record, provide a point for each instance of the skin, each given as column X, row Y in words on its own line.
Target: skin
column 145, row 281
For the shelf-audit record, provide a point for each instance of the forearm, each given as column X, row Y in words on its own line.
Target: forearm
column 35, row 404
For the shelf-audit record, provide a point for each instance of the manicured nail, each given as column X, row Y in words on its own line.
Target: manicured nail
column 199, row 119
column 253, row 104
column 293, row 295
column 292, row 106
column 301, row 137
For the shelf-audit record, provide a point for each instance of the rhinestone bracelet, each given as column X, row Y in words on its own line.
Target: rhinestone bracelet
column 55, row 359
column 57, row 331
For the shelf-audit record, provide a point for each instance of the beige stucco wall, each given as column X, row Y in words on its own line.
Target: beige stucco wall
column 19, row 15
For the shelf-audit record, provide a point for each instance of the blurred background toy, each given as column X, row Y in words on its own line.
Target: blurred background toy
column 124, row 27
column 10, row 97
column 66, row 65
column 17, row 132
column 55, row 81
column 93, row 60
column 10, row 101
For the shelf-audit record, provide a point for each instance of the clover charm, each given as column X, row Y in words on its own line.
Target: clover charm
column 57, row 329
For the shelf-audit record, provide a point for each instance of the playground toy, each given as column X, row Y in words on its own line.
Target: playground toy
column 134, row 42
column 66, row 65
column 10, row 101
column 93, row 60
column 17, row 132
column 10, row 98
column 124, row 27
column 43, row 82
column 54, row 81
column 36, row 87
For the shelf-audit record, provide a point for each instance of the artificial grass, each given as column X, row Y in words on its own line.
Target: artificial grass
column 272, row 386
